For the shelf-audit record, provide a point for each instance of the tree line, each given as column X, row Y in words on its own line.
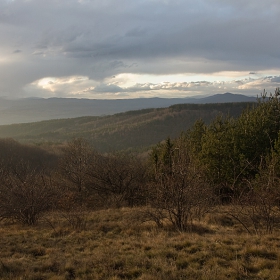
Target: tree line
column 231, row 161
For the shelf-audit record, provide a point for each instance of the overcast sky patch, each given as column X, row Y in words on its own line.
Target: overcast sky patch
column 184, row 40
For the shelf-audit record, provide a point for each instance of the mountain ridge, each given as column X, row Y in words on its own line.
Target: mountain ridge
column 39, row 109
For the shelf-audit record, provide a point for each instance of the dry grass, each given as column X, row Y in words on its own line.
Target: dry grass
column 111, row 244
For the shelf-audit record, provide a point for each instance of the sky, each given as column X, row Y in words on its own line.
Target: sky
column 116, row 49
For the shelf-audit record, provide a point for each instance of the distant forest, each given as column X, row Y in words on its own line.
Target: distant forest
column 133, row 130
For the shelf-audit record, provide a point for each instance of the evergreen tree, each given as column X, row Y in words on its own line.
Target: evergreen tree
column 218, row 151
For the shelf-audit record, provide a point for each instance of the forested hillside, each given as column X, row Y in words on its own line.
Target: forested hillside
column 130, row 130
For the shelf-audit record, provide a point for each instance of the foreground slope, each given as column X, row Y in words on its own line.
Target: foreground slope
column 113, row 245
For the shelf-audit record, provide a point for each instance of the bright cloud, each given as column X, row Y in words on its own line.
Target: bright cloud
column 120, row 87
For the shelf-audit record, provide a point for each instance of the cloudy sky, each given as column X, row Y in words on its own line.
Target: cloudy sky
column 138, row 48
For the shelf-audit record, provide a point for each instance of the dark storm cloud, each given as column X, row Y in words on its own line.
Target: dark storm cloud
column 102, row 38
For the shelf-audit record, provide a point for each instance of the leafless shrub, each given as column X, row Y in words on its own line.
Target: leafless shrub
column 179, row 192
column 257, row 210
column 156, row 215
column 75, row 162
column 72, row 208
column 77, row 218
column 181, row 199
column 117, row 179
column 25, row 194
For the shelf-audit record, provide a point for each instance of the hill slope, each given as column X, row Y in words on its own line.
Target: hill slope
column 130, row 130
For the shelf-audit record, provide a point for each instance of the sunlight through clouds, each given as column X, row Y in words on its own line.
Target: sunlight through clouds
column 128, row 86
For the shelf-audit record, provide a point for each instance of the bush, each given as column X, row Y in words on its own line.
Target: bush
column 179, row 193
column 25, row 194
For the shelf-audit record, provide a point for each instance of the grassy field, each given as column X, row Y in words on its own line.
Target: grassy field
column 113, row 244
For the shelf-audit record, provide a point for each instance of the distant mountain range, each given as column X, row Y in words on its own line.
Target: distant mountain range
column 38, row 109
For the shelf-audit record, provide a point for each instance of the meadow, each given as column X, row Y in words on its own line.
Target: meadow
column 116, row 244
